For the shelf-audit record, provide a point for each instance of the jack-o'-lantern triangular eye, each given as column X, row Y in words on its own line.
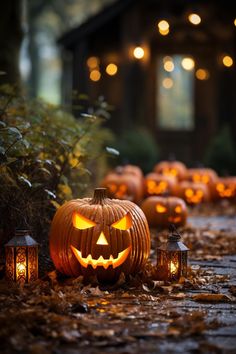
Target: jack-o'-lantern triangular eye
column 81, row 222
column 124, row 223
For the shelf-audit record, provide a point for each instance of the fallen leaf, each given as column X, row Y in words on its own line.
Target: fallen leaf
column 212, row 298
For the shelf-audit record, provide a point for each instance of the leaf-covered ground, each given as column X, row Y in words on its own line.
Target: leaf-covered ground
column 196, row 315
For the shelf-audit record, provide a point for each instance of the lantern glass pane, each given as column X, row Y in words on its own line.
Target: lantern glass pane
column 10, row 273
column 21, row 264
column 32, row 263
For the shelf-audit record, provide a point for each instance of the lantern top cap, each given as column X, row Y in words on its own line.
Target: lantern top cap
column 22, row 238
column 173, row 243
column 174, row 236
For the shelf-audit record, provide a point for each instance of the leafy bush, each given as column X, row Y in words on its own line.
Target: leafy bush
column 220, row 153
column 46, row 157
column 137, row 147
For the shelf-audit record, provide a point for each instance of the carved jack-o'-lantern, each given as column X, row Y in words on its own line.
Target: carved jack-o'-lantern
column 171, row 168
column 203, row 175
column 99, row 236
column 193, row 193
column 123, row 186
column 159, row 184
column 225, row 188
column 163, row 211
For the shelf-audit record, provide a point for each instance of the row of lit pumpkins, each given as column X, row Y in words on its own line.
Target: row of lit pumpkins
column 169, row 178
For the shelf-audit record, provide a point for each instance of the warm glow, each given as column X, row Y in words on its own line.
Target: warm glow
column 93, row 62
column 178, row 209
column 202, row 74
column 121, row 191
column 138, row 52
column 81, row 222
column 105, row 263
column 170, row 172
column 227, row 61
column 123, row 224
column 167, row 83
column 156, row 188
column 173, row 268
column 95, row 75
column 102, row 240
column 195, row 19
column 235, row 22
column 161, row 208
column 111, row 69
column 169, row 65
column 188, row 63
column 20, row 267
column 225, row 192
column 163, row 25
column 189, row 193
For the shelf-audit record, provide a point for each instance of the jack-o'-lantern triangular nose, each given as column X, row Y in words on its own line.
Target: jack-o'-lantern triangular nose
column 102, row 239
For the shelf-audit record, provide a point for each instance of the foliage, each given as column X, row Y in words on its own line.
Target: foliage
column 221, row 151
column 46, row 157
column 138, row 147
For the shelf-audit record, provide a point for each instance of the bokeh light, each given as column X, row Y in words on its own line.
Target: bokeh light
column 163, row 27
column 93, row 62
column 188, row 63
column 138, row 52
column 227, row 61
column 195, row 19
column 95, row 75
column 167, row 83
column 202, row 74
column 111, row 69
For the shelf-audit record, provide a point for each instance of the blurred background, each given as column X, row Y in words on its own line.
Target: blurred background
column 166, row 69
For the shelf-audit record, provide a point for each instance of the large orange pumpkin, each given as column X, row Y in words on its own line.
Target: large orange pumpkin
column 130, row 169
column 99, row 236
column 163, row 211
column 156, row 184
column 123, row 186
column 225, row 188
column 193, row 193
column 171, row 168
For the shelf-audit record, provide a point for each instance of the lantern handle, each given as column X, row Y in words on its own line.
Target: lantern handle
column 174, row 235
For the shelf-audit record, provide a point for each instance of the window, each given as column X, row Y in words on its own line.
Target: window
column 175, row 80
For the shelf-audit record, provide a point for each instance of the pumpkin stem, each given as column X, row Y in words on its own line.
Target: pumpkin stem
column 100, row 195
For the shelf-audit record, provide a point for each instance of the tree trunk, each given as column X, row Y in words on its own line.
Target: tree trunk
column 11, row 35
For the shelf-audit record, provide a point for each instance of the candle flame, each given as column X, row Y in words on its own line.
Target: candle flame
column 173, row 268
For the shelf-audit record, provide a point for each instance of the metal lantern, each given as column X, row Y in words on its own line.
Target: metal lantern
column 22, row 258
column 172, row 257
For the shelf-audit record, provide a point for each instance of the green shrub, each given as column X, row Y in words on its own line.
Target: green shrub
column 46, row 157
column 137, row 147
column 220, row 153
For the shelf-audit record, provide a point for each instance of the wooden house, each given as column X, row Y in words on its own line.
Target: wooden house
column 183, row 85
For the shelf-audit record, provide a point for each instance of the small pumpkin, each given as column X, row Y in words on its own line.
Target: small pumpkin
column 163, row 211
column 156, row 184
column 171, row 168
column 203, row 175
column 193, row 193
column 99, row 237
column 123, row 186
column 225, row 188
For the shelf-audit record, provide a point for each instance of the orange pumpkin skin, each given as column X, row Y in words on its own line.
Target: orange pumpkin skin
column 193, row 193
column 156, row 184
column 123, row 186
column 163, row 211
column 203, row 175
column 225, row 188
column 130, row 169
column 171, row 168
column 75, row 247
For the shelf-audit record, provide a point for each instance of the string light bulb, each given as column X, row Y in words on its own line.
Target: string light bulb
column 163, row 27
column 138, row 52
column 195, row 19
column 227, row 61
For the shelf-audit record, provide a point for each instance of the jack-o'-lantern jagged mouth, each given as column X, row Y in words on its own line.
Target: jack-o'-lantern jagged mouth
column 101, row 262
